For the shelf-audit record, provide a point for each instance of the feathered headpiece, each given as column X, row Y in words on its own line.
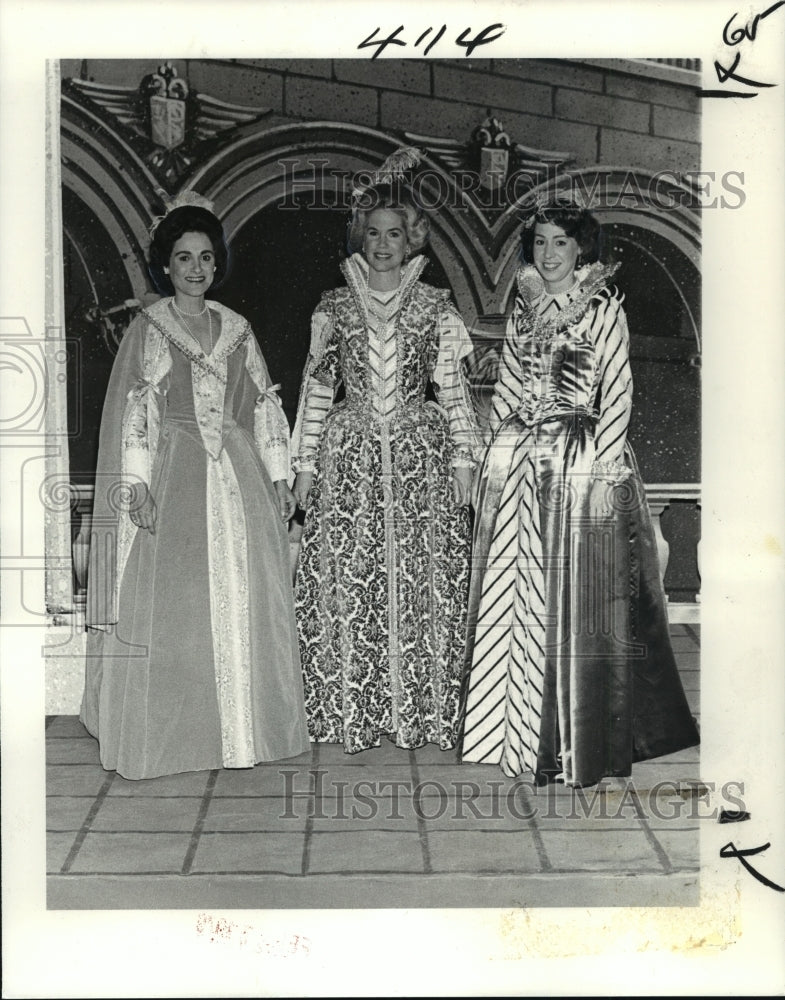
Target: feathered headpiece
column 394, row 168
column 185, row 198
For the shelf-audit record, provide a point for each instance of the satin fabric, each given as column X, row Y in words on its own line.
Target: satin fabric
column 588, row 681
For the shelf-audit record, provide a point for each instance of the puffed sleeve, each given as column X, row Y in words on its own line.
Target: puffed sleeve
column 508, row 391
column 612, row 346
column 452, row 391
column 320, row 381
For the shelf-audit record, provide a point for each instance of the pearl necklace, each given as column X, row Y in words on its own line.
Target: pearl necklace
column 182, row 312
column 187, row 325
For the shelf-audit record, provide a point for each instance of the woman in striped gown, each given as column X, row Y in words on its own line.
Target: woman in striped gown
column 385, row 475
column 570, row 672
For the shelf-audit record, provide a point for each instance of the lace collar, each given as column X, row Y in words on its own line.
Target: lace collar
column 573, row 303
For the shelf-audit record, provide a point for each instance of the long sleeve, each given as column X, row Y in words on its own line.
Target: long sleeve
column 508, row 391
column 270, row 426
column 135, row 436
column 317, row 391
column 612, row 345
column 452, row 390
column 143, row 363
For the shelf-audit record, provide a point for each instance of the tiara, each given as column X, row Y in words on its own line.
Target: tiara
column 569, row 198
column 184, row 199
column 394, row 168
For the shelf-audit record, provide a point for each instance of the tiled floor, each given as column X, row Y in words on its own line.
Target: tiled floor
column 384, row 828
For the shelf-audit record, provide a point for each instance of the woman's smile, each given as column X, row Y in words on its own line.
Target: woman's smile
column 385, row 243
column 192, row 265
column 555, row 257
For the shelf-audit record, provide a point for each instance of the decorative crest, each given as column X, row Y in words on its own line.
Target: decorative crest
column 506, row 169
column 165, row 96
column 169, row 126
column 492, row 148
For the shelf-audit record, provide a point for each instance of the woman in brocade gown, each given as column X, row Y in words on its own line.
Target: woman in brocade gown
column 192, row 659
column 570, row 671
column 385, row 475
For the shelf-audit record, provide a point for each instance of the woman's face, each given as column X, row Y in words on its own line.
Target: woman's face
column 555, row 256
column 192, row 265
column 385, row 240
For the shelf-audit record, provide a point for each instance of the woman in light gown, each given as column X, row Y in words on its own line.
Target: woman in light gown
column 386, row 477
column 570, row 671
column 192, row 659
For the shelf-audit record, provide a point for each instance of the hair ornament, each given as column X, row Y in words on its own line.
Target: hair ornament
column 188, row 198
column 568, row 198
column 394, row 168
column 398, row 164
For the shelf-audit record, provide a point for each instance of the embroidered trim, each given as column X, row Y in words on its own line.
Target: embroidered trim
column 182, row 345
column 595, row 279
column 229, row 612
column 355, row 271
column 175, row 336
column 612, row 472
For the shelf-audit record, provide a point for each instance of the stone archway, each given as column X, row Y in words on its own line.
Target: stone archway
column 263, row 167
column 100, row 168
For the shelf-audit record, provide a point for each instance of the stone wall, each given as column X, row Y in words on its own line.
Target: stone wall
column 622, row 114
column 601, row 112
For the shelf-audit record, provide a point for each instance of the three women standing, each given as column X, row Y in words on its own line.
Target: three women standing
column 193, row 661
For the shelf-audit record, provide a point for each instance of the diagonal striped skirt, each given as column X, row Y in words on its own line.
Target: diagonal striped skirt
column 505, row 689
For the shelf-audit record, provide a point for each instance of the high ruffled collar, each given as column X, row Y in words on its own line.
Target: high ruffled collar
column 356, row 271
column 589, row 279
column 573, row 303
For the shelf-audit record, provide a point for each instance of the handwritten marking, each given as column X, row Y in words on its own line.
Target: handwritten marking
column 734, row 37
column 734, row 816
column 484, row 37
column 731, row 851
column 750, row 30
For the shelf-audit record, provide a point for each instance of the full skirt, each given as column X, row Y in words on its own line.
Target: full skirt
column 173, row 686
column 570, row 670
column 382, row 584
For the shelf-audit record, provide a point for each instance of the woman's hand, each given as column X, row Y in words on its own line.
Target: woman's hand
column 462, row 485
column 286, row 501
column 142, row 509
column 601, row 499
column 303, row 482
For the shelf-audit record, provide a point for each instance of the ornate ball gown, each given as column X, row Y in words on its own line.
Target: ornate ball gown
column 192, row 661
column 570, row 671
column 383, row 571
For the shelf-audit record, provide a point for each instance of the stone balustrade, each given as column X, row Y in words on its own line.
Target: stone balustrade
column 660, row 497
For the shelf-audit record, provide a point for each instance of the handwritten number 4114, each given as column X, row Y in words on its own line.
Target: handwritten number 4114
column 483, row 37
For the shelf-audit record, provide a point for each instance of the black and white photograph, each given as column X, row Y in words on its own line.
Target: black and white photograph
column 392, row 520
